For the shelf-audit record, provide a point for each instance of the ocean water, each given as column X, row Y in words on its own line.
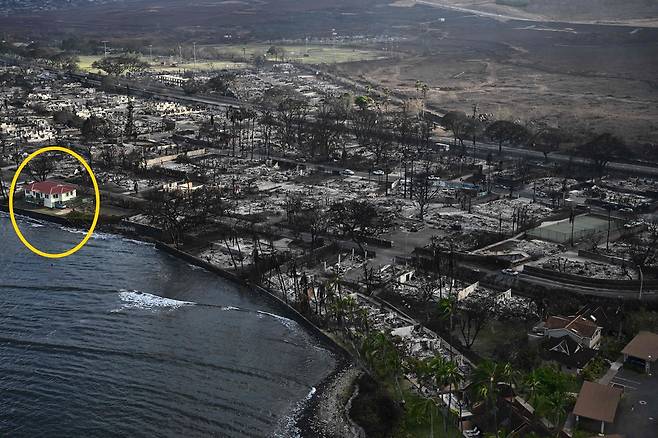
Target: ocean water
column 124, row 340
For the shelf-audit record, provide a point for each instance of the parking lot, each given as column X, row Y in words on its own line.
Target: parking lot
column 637, row 415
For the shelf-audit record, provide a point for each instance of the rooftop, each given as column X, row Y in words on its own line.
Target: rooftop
column 576, row 324
column 643, row 346
column 598, row 402
column 50, row 187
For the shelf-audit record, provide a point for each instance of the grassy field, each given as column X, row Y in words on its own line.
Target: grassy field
column 234, row 56
column 87, row 60
column 308, row 54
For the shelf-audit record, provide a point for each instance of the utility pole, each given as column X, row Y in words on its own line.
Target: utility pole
column 641, row 280
column 151, row 52
column 572, row 219
column 607, row 240
column 194, row 52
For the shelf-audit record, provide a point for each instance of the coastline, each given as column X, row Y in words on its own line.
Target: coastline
column 325, row 414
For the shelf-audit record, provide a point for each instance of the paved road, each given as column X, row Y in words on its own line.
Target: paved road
column 532, row 19
column 647, row 295
column 534, row 155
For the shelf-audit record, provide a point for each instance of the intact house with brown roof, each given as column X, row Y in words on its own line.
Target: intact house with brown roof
column 597, row 402
column 582, row 330
column 642, row 351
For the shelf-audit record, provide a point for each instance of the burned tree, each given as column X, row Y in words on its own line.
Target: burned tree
column 327, row 130
column 40, row 167
column 177, row 212
column 357, row 221
column 472, row 315
column 424, row 190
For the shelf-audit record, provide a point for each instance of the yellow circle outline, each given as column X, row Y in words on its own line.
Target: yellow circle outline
column 97, row 210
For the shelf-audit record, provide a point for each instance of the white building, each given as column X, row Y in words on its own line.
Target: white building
column 50, row 194
column 585, row 332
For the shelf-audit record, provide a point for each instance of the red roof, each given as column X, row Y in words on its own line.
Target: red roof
column 50, row 187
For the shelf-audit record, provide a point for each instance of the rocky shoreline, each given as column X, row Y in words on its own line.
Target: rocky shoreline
column 327, row 413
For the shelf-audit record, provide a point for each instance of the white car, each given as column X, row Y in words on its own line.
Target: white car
column 511, row 272
column 378, row 172
column 347, row 172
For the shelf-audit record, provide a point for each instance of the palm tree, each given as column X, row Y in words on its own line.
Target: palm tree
column 382, row 356
column 508, row 374
column 556, row 405
column 532, row 386
column 452, row 377
column 423, row 407
column 421, row 368
column 485, row 380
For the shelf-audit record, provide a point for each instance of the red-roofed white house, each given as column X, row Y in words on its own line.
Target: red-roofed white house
column 50, row 194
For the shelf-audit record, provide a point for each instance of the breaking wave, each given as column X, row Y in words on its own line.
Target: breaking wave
column 289, row 323
column 143, row 300
column 286, row 427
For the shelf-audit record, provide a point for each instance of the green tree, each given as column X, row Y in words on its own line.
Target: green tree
column 458, row 123
column 602, row 149
column 447, row 375
column 546, row 141
column 382, row 356
column 504, row 131
column 120, row 64
column 424, row 407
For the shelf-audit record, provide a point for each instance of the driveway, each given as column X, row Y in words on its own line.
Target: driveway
column 637, row 415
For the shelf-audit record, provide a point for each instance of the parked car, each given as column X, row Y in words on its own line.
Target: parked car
column 511, row 272
column 347, row 172
column 378, row 172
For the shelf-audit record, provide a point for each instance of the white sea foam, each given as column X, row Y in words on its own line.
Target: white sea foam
column 311, row 393
column 105, row 236
column 289, row 323
column 144, row 300
column 95, row 235
column 286, row 427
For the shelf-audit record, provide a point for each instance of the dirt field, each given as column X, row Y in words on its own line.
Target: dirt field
column 590, row 78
